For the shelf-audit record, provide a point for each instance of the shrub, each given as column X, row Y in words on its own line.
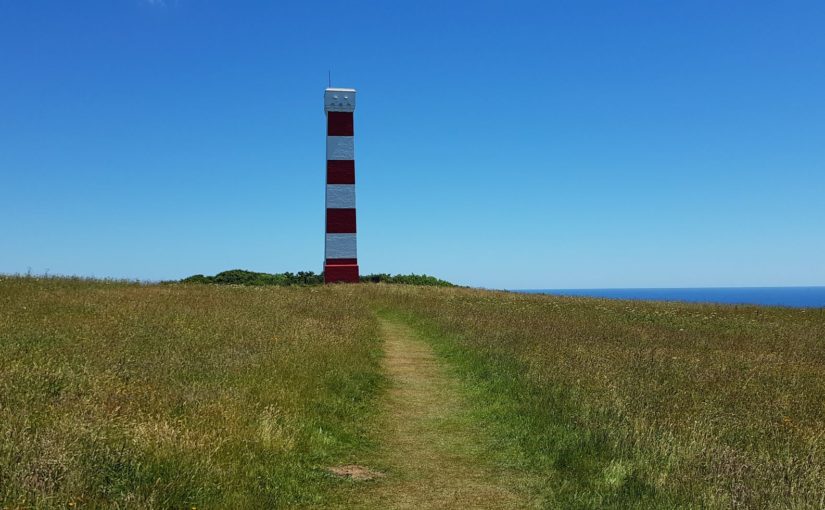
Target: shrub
column 243, row 277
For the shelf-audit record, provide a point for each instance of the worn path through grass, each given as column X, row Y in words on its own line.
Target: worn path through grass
column 431, row 450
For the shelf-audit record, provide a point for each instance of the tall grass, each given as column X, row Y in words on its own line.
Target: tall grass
column 125, row 395
column 630, row 404
column 117, row 394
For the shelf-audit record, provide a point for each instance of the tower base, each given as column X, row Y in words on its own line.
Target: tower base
column 341, row 273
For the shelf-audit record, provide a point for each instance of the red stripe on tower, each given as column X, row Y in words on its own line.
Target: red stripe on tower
column 340, row 254
column 341, row 172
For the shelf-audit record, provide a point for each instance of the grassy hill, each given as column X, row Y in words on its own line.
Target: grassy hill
column 120, row 394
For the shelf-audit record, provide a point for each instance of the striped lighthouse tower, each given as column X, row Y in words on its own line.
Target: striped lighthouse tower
column 340, row 255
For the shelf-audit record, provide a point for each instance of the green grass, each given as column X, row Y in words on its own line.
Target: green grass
column 122, row 395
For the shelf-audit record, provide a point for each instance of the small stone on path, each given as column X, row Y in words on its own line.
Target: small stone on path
column 355, row 472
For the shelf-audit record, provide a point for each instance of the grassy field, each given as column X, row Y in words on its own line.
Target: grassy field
column 651, row 405
column 122, row 395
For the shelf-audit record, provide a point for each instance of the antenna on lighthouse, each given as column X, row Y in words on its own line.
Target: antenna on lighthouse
column 329, row 78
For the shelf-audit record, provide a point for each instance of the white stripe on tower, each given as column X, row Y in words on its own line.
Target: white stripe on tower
column 340, row 250
column 340, row 147
column 340, row 196
column 341, row 246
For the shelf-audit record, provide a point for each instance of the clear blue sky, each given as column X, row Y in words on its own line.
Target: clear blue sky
column 510, row 145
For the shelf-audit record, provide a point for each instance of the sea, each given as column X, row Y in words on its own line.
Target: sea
column 798, row 297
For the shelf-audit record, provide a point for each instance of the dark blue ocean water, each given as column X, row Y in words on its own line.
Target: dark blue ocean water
column 782, row 296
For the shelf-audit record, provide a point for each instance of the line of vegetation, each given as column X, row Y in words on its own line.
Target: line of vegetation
column 407, row 279
column 243, row 277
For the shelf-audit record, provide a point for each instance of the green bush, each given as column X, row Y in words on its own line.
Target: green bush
column 408, row 279
column 242, row 277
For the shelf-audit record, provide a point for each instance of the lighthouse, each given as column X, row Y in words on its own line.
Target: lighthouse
column 340, row 254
